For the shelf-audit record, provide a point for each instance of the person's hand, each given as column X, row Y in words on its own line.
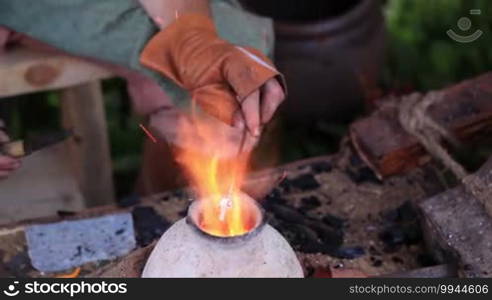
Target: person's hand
column 258, row 108
column 178, row 127
column 200, row 133
column 237, row 85
column 7, row 163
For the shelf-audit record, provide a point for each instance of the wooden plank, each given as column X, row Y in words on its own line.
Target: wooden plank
column 83, row 111
column 25, row 71
column 388, row 149
column 41, row 187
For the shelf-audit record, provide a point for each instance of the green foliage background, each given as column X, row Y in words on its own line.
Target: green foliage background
column 420, row 52
column 420, row 56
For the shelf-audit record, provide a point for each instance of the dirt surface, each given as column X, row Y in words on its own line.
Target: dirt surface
column 335, row 213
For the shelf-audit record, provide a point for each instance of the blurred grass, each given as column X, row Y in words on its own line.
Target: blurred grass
column 125, row 136
column 420, row 52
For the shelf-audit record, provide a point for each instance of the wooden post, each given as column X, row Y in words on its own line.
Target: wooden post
column 83, row 111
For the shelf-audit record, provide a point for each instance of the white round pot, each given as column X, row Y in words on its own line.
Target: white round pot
column 184, row 250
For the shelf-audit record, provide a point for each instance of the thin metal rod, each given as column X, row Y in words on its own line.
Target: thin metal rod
column 228, row 199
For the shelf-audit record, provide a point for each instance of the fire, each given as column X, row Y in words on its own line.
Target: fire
column 216, row 173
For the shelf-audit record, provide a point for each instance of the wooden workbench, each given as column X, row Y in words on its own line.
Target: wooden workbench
column 82, row 164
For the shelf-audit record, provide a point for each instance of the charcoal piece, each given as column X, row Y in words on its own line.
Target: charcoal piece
column 377, row 263
column 306, row 239
column 129, row 200
column 148, row 225
column 356, row 161
column 397, row 260
column 350, row 252
column 362, row 175
column 308, row 235
column 290, row 232
column 426, row 260
column 309, row 203
column 413, row 233
column 322, row 167
column 391, row 216
column 398, row 235
column 304, row 182
column 404, row 213
column 326, row 234
column 403, row 227
column 286, row 186
column 407, row 213
column 333, row 221
column 373, row 251
column 393, row 237
column 287, row 214
column 275, row 196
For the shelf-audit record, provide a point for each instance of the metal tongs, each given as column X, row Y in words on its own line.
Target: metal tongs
column 226, row 202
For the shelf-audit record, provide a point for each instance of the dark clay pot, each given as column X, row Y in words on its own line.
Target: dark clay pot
column 331, row 53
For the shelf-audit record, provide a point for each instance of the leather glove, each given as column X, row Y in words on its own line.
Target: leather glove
column 219, row 75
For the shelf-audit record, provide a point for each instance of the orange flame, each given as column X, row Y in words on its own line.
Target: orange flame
column 216, row 180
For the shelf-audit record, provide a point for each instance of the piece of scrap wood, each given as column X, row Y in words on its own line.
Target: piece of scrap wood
column 459, row 229
column 380, row 140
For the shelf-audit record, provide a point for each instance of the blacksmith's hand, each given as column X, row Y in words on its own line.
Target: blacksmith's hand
column 237, row 85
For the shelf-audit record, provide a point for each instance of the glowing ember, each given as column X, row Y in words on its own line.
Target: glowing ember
column 216, row 173
column 147, row 132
